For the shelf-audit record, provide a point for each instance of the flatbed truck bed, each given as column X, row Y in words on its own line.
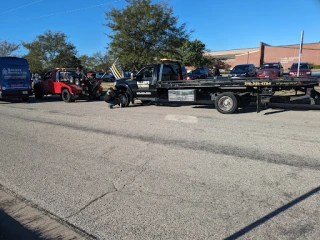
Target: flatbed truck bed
column 226, row 94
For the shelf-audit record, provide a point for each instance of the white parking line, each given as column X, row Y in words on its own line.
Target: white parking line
column 181, row 118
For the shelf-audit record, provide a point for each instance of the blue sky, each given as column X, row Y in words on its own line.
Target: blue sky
column 221, row 25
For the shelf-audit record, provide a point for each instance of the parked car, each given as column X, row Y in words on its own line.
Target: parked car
column 205, row 70
column 184, row 71
column 243, row 70
column 108, row 77
column 269, row 70
column 195, row 74
column 305, row 69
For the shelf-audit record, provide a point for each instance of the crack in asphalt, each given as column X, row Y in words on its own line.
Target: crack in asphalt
column 109, row 192
column 92, row 201
column 276, row 158
column 143, row 169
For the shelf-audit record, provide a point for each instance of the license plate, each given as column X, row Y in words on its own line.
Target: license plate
column 24, row 92
column 266, row 76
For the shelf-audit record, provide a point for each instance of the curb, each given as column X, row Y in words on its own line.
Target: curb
column 12, row 229
column 20, row 219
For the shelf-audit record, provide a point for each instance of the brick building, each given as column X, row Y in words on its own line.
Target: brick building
column 286, row 54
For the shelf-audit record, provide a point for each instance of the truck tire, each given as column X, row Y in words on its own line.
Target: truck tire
column 66, row 96
column 124, row 99
column 226, row 103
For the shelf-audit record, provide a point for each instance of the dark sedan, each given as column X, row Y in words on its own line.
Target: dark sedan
column 243, row 70
column 195, row 74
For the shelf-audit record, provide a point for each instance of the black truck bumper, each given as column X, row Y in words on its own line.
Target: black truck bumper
column 15, row 93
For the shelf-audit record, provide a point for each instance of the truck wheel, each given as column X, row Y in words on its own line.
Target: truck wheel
column 66, row 96
column 226, row 103
column 124, row 99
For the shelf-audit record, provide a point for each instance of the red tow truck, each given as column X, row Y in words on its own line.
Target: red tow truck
column 66, row 83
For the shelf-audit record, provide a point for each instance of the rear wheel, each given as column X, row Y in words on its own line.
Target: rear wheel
column 226, row 103
column 66, row 96
column 124, row 99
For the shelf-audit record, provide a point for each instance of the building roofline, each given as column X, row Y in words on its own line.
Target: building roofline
column 237, row 49
column 231, row 50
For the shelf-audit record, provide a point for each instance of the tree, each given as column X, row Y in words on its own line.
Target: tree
column 217, row 62
column 103, row 61
column 192, row 52
column 7, row 48
column 88, row 62
column 51, row 50
column 143, row 32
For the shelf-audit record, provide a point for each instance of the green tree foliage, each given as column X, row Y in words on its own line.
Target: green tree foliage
column 103, row 61
column 51, row 50
column 315, row 66
column 88, row 62
column 143, row 32
column 7, row 48
column 192, row 52
column 98, row 61
column 217, row 62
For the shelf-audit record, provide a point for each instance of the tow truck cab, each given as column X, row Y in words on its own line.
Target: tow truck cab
column 59, row 81
column 144, row 85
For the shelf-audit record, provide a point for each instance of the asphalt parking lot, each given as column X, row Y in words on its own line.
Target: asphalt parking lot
column 165, row 172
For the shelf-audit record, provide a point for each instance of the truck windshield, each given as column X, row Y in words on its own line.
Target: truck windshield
column 270, row 66
column 241, row 68
column 302, row 66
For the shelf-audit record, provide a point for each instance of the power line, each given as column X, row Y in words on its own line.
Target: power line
column 21, row 7
column 60, row 13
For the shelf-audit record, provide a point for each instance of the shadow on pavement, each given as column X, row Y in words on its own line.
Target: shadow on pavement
column 12, row 229
column 33, row 100
column 276, row 212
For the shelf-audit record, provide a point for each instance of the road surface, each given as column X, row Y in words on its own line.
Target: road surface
column 165, row 172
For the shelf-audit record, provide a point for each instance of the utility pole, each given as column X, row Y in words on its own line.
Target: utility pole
column 301, row 46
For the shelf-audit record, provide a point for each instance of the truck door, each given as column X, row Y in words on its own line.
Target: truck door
column 145, row 88
column 47, row 82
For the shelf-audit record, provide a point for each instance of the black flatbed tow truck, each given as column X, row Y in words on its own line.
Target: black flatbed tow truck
column 161, row 83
